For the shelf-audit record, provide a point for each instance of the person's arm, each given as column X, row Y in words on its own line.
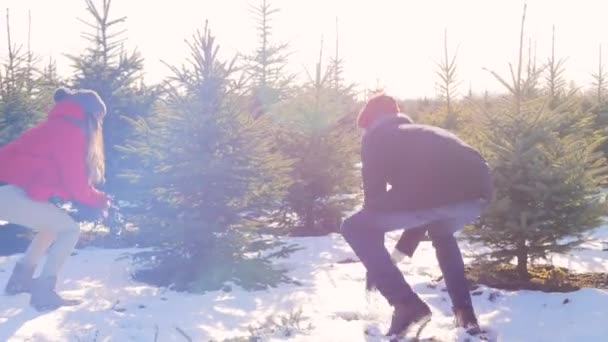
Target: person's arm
column 409, row 241
column 374, row 179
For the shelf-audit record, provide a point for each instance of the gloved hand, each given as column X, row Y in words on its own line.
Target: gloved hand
column 397, row 256
column 90, row 214
column 115, row 220
column 85, row 213
column 408, row 242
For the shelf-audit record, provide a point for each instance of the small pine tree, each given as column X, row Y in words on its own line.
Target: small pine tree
column 446, row 111
column 21, row 106
column 117, row 76
column 266, row 66
column 206, row 175
column 49, row 81
column 23, row 101
column 337, row 68
column 600, row 83
column 324, row 152
column 555, row 82
column 448, row 85
column 546, row 173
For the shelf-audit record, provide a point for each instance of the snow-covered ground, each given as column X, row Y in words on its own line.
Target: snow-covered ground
column 330, row 305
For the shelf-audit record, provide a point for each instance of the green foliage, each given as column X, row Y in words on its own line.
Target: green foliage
column 554, row 75
column 546, row 167
column 206, row 172
column 324, row 152
column 448, row 84
column 600, row 83
column 546, row 182
column 269, row 81
column 204, row 179
column 49, row 81
column 23, row 99
column 117, row 75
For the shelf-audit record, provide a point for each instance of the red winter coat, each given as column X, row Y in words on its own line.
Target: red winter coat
column 49, row 159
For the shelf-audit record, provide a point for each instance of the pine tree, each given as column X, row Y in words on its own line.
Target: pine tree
column 555, row 82
column 448, row 85
column 266, row 66
column 568, row 102
column 49, row 81
column 533, row 72
column 21, row 104
column 546, row 173
column 207, row 176
column 23, row 100
column 446, row 111
column 600, row 83
column 117, row 76
column 337, row 67
column 323, row 150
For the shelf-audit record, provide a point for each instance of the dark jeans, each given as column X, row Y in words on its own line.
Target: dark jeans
column 364, row 231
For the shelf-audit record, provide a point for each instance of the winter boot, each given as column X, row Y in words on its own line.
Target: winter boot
column 407, row 314
column 465, row 318
column 44, row 297
column 20, row 280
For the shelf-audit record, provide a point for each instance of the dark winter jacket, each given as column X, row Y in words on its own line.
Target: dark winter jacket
column 425, row 166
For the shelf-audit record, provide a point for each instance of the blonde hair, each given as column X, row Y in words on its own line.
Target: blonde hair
column 95, row 110
column 95, row 161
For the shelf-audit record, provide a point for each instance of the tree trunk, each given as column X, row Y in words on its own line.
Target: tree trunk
column 522, row 259
column 309, row 223
column 450, row 121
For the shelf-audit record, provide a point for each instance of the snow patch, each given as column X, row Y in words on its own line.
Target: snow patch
column 331, row 303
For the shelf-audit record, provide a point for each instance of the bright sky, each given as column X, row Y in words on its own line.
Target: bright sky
column 395, row 41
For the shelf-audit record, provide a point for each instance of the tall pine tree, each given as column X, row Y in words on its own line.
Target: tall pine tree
column 117, row 76
column 448, row 84
column 21, row 101
column 546, row 173
column 25, row 95
column 554, row 75
column 600, row 83
column 324, row 152
column 207, row 177
column 266, row 67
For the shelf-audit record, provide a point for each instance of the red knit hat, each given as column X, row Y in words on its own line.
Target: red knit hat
column 377, row 107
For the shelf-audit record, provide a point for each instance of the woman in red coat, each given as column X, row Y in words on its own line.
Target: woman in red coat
column 61, row 157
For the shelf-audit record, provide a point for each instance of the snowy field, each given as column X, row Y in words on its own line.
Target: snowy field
column 330, row 305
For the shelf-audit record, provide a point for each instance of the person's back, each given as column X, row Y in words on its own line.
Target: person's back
column 426, row 166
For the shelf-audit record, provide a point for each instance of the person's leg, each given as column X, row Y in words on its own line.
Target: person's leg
column 44, row 296
column 20, row 280
column 51, row 223
column 451, row 262
column 13, row 205
column 38, row 247
column 367, row 241
column 48, row 220
column 59, row 252
column 365, row 231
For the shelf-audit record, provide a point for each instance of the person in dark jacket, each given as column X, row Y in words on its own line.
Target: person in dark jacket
column 438, row 184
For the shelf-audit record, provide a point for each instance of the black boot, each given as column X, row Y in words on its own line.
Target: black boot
column 465, row 318
column 20, row 280
column 408, row 313
column 45, row 298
